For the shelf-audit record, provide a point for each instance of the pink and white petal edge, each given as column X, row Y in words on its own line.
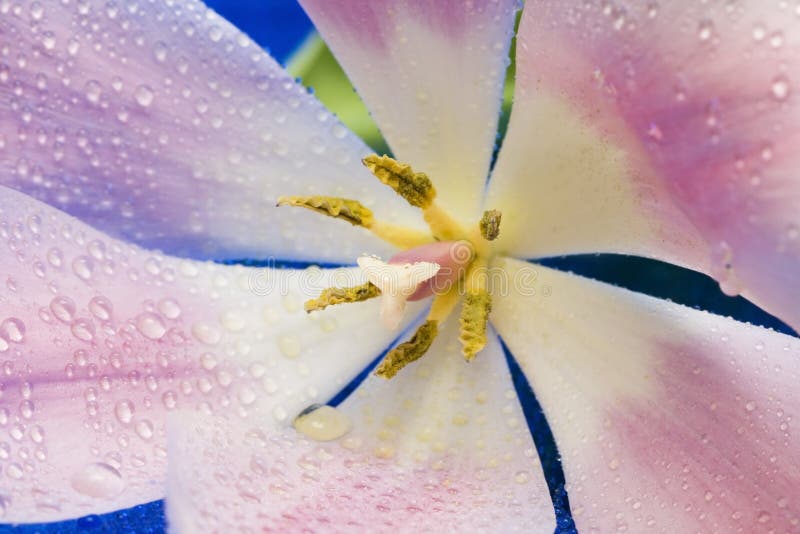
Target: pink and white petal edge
column 165, row 126
column 432, row 75
column 442, row 445
column 99, row 340
column 665, row 131
column 667, row 419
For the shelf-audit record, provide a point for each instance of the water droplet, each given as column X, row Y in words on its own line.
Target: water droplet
column 781, row 88
column 83, row 267
column 83, row 329
column 144, row 429
column 705, row 30
column 322, row 423
column 63, row 309
column 144, row 95
column 169, row 308
column 93, row 90
column 101, row 308
column 205, row 333
column 98, row 480
column 150, row 326
column 289, row 345
column 124, row 411
column 13, row 330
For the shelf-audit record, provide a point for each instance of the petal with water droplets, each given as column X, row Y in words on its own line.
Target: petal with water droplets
column 665, row 130
column 164, row 125
column 666, row 418
column 432, row 74
column 443, row 443
column 99, row 340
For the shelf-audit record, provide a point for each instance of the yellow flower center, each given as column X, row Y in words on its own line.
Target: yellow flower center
column 418, row 190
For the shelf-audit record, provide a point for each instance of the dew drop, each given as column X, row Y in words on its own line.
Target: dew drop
column 101, row 308
column 83, row 267
column 13, row 330
column 780, row 88
column 124, row 411
column 205, row 333
column 98, row 480
column 289, row 346
column 169, row 308
column 144, row 95
column 63, row 309
column 150, row 326
column 83, row 329
column 322, row 423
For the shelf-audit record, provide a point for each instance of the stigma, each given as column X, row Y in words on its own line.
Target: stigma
column 448, row 264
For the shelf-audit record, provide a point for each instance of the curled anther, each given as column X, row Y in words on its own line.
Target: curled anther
column 348, row 210
column 474, row 317
column 341, row 295
column 490, row 224
column 415, row 187
column 408, row 351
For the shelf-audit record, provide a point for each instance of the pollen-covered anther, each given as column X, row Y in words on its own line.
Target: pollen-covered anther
column 348, row 210
column 474, row 318
column 396, row 282
column 342, row 295
column 415, row 187
column 490, row 224
column 408, row 351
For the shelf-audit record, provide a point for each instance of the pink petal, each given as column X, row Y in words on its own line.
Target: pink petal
column 666, row 130
column 442, row 445
column 432, row 74
column 99, row 340
column 163, row 125
column 668, row 419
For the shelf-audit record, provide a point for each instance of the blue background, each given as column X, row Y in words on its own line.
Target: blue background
column 280, row 26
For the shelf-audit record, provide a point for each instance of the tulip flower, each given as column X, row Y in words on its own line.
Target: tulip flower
column 140, row 139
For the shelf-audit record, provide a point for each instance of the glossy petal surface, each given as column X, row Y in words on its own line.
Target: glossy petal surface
column 667, row 419
column 163, row 125
column 432, row 74
column 100, row 340
column 443, row 443
column 667, row 130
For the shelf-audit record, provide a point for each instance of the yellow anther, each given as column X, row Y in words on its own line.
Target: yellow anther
column 490, row 224
column 351, row 211
column 408, row 351
column 341, row 295
column 415, row 187
column 474, row 317
column 475, row 310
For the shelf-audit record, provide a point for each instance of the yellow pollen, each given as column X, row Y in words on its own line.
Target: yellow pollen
column 348, row 210
column 408, row 351
column 415, row 187
column 341, row 295
column 490, row 224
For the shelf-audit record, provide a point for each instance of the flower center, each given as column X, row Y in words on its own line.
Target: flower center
column 446, row 263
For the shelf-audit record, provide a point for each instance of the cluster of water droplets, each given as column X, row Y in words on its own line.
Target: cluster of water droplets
column 173, row 106
column 100, row 340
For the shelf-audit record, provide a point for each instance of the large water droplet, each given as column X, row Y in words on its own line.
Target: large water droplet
column 98, row 480
column 124, row 411
column 322, row 423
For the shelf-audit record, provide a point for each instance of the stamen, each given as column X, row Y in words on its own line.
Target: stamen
column 474, row 317
column 409, row 351
column 357, row 214
column 415, row 187
column 342, row 295
column 419, row 344
column 348, row 210
column 490, row 224
column 475, row 311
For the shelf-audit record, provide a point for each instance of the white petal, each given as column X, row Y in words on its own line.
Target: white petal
column 667, row 419
column 443, row 445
